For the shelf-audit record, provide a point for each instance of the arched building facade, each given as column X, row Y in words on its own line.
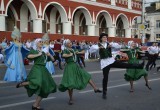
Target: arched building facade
column 76, row 19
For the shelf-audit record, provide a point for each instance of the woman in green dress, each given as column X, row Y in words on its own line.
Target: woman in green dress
column 74, row 77
column 135, row 74
column 39, row 80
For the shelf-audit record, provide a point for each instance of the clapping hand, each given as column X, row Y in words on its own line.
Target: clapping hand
column 40, row 53
column 48, row 54
column 71, row 54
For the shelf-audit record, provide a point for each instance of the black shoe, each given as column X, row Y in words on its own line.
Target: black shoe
column 104, row 96
column 97, row 91
column 148, row 87
column 61, row 68
column 150, row 67
column 70, row 102
column 147, row 69
column 36, row 108
column 158, row 68
column 154, row 65
column 19, row 84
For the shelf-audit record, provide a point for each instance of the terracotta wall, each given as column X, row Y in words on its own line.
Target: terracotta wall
column 26, row 36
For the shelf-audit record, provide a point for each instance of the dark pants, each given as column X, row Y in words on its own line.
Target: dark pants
column 154, row 61
column 57, row 57
column 150, row 61
column 81, row 59
column 116, row 64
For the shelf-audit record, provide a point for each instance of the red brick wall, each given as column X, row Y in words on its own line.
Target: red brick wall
column 26, row 36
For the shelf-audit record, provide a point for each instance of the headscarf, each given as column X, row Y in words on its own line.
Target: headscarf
column 35, row 42
column 65, row 42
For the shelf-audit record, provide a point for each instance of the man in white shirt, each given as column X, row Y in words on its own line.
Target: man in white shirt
column 28, row 44
column 151, row 55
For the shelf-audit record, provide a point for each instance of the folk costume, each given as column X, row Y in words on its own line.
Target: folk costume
column 73, row 77
column 107, row 62
column 47, row 49
column 134, row 74
column 14, row 56
column 39, row 78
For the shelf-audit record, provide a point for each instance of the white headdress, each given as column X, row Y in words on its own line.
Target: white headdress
column 45, row 36
column 16, row 33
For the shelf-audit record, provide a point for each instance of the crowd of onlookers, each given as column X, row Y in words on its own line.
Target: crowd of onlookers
column 90, row 48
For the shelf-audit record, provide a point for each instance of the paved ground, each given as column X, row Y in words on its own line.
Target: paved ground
column 119, row 97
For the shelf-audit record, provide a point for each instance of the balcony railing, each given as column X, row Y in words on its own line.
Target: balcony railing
column 122, row 3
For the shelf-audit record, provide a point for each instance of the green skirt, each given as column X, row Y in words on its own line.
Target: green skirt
column 134, row 74
column 40, row 82
column 74, row 78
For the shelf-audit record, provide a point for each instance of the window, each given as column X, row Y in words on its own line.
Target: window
column 158, row 37
column 157, row 23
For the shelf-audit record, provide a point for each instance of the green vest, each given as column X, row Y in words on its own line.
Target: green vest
column 104, row 52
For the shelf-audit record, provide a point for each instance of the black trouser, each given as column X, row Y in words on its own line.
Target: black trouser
column 57, row 57
column 82, row 59
column 150, row 61
column 154, row 61
column 116, row 64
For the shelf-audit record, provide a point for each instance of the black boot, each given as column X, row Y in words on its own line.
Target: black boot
column 158, row 68
column 104, row 95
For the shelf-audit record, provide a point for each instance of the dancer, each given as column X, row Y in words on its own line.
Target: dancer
column 14, row 56
column 151, row 55
column 74, row 77
column 107, row 61
column 57, row 50
column 135, row 74
column 39, row 80
column 156, row 49
column 47, row 49
column 80, row 55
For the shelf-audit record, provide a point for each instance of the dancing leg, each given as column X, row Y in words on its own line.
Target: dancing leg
column 70, row 93
column 119, row 64
column 105, row 80
column 96, row 90
column 36, row 105
column 131, row 83
column 147, row 84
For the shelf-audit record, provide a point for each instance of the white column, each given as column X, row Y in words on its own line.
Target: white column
column 52, row 27
column 67, row 28
column 112, row 32
column 113, row 2
column 3, row 23
column 129, row 4
column 37, row 26
column 91, row 30
column 97, row 30
column 128, row 33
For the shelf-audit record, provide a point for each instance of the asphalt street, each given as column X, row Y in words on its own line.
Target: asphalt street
column 118, row 97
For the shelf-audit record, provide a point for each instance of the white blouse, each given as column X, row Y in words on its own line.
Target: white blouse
column 107, row 61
